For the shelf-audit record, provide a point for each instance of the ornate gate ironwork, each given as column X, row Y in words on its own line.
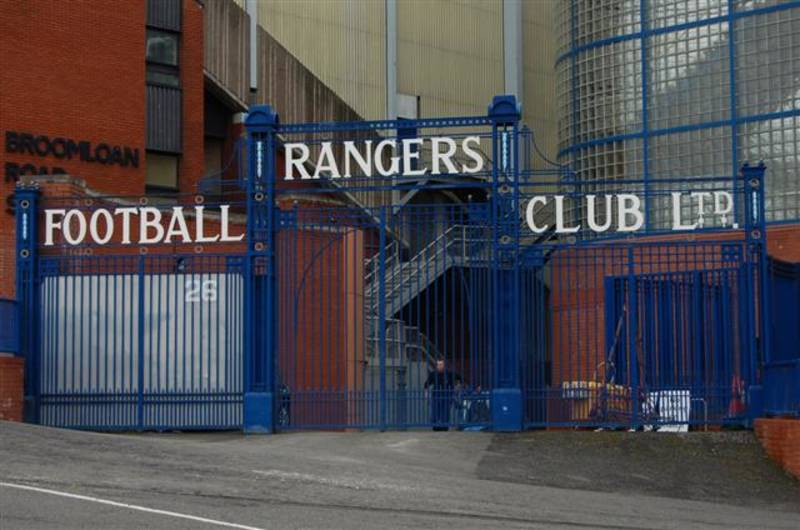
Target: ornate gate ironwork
column 370, row 253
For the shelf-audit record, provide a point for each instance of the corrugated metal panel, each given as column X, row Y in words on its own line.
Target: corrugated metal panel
column 341, row 42
column 164, row 14
column 226, row 36
column 539, row 106
column 283, row 81
column 163, row 119
column 450, row 54
column 299, row 96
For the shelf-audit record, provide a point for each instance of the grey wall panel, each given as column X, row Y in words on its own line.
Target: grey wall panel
column 341, row 42
column 164, row 14
column 163, row 118
column 226, row 35
column 283, row 80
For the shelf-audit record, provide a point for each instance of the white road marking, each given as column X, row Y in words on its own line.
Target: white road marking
column 128, row 506
column 403, row 444
column 339, row 482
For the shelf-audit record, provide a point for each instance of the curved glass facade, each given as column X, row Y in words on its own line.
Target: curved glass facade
column 658, row 89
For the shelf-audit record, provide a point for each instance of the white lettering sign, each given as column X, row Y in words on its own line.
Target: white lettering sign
column 154, row 226
column 385, row 158
column 600, row 212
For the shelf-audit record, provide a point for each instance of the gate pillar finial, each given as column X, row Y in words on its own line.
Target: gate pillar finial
column 261, row 118
column 505, row 109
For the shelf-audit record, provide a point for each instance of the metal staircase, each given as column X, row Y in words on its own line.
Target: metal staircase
column 409, row 351
column 459, row 245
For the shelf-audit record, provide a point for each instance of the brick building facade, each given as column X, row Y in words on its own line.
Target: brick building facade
column 74, row 96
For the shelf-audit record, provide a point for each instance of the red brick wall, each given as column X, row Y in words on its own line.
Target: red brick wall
column 77, row 70
column 11, row 388
column 192, row 165
column 781, row 441
column 66, row 68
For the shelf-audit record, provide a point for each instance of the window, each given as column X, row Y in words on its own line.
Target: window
column 161, row 172
column 161, row 54
column 162, row 47
column 156, row 77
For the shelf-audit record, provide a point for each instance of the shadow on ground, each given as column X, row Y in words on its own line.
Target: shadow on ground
column 727, row 467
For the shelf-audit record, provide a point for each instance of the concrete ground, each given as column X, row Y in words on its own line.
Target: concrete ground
column 52, row 478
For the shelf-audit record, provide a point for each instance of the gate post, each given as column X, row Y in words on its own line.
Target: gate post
column 260, row 341
column 758, row 304
column 27, row 294
column 505, row 319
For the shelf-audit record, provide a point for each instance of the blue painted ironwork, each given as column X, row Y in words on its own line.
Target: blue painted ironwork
column 27, row 199
column 260, row 337
column 781, row 393
column 342, row 300
column 370, row 292
column 654, row 332
column 784, row 291
column 507, row 395
column 9, row 326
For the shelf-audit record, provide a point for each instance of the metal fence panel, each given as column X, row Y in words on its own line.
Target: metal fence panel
column 128, row 346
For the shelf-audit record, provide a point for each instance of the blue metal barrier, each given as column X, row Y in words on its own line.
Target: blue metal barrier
column 9, row 326
column 784, row 290
column 781, row 389
column 781, row 379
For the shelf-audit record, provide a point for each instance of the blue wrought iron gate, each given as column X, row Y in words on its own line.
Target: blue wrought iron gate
column 379, row 279
column 661, row 331
column 388, row 276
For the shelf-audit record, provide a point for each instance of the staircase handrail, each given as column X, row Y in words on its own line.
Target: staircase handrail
column 421, row 341
column 436, row 247
column 392, row 255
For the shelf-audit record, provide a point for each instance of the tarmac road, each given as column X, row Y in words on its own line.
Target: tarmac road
column 52, row 478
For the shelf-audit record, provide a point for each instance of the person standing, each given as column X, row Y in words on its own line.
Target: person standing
column 441, row 383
